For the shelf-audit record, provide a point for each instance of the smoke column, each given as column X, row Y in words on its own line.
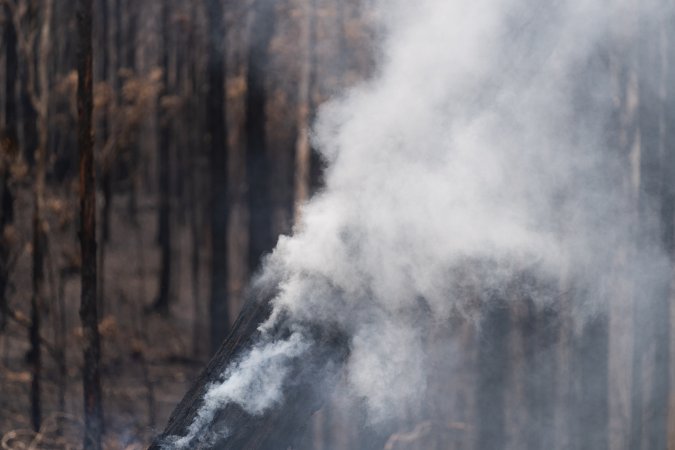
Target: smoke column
column 480, row 150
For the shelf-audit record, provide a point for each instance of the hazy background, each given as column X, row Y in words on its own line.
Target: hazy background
column 492, row 230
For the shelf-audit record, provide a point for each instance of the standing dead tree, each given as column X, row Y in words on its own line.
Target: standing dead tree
column 9, row 146
column 36, row 88
column 41, row 105
column 164, row 166
column 88, row 307
column 305, row 164
column 258, row 171
column 217, row 133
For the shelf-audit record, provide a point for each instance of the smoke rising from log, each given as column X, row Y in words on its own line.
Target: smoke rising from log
column 481, row 150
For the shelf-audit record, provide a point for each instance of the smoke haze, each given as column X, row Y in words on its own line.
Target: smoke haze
column 481, row 153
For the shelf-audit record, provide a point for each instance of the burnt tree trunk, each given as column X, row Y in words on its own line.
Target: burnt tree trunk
column 310, row 379
column 106, row 162
column 164, row 121
column 127, row 61
column 10, row 148
column 261, row 239
column 651, row 377
column 88, row 307
column 591, row 410
column 306, row 179
column 661, row 383
column 217, row 133
column 28, row 112
column 41, row 103
column 493, row 369
column 35, row 354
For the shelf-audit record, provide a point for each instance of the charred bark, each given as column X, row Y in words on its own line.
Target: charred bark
column 88, row 306
column 38, row 297
column 164, row 152
column 105, row 167
column 307, row 169
column 10, row 142
column 35, row 353
column 309, row 381
column 493, row 370
column 217, row 132
column 592, row 412
column 126, row 58
column 261, row 239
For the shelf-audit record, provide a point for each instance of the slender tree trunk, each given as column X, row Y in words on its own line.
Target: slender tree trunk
column 88, row 307
column 304, row 164
column 305, row 176
column 216, row 130
column 493, row 368
column 106, row 161
column 38, row 295
column 666, row 197
column 668, row 142
column 316, row 163
column 651, row 377
column 164, row 152
column 10, row 143
column 624, row 139
column 29, row 116
column 592, row 414
column 539, row 334
column 61, row 339
column 261, row 239
column 36, row 302
column 195, row 208
column 127, row 60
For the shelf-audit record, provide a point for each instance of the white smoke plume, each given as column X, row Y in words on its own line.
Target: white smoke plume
column 254, row 383
column 478, row 151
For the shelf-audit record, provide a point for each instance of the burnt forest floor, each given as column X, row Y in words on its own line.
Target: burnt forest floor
column 148, row 359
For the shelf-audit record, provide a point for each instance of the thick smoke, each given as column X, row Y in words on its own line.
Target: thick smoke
column 478, row 152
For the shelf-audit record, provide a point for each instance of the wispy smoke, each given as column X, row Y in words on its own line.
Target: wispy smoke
column 478, row 152
column 254, row 383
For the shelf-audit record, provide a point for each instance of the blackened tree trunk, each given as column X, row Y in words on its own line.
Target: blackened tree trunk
column 277, row 427
column 316, row 163
column 10, row 147
column 305, row 165
column 41, row 103
column 194, row 117
column 662, row 168
column 541, row 337
column 651, row 377
column 88, row 308
column 661, row 384
column 493, row 369
column 539, row 327
column 127, row 60
column 28, row 113
column 591, row 412
column 217, row 133
column 164, row 121
column 261, row 239
column 129, row 57
column 118, row 45
column 105, row 126
column 106, row 161
column 35, row 355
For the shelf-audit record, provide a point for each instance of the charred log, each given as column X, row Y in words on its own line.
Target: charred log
column 309, row 380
